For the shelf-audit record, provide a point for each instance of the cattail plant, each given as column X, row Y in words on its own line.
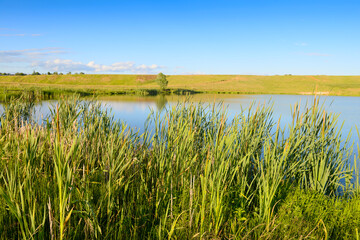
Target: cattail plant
column 192, row 173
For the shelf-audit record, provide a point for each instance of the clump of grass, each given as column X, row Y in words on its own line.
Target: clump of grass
column 305, row 214
column 193, row 173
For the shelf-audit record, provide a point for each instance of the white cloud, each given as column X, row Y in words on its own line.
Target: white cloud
column 29, row 55
column 66, row 65
column 48, row 59
column 61, row 65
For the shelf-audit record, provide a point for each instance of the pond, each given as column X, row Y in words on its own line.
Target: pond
column 134, row 110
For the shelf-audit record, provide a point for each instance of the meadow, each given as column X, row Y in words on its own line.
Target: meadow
column 192, row 174
column 146, row 84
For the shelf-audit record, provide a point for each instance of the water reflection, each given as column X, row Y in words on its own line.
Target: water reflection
column 161, row 102
column 134, row 110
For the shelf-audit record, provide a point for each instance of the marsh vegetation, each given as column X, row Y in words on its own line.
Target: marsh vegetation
column 192, row 173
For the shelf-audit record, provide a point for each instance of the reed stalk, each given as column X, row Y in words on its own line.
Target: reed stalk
column 192, row 173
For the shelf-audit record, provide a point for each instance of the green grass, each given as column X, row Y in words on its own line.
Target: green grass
column 191, row 175
column 242, row 84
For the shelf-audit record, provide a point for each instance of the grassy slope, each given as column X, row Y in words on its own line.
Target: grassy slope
column 334, row 85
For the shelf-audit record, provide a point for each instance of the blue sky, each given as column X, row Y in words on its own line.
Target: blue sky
column 181, row 37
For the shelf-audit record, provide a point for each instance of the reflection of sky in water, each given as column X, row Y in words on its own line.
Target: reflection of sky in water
column 135, row 110
column 133, row 114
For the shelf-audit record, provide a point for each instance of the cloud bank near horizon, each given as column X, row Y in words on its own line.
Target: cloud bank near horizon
column 64, row 65
column 47, row 59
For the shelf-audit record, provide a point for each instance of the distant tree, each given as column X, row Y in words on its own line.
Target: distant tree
column 69, row 73
column 61, row 74
column 55, row 73
column 49, row 73
column 82, row 73
column 20, row 74
column 35, row 73
column 162, row 81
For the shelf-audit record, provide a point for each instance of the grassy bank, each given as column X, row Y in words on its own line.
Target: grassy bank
column 240, row 84
column 192, row 174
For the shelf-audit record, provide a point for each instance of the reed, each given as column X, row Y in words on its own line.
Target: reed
column 192, row 173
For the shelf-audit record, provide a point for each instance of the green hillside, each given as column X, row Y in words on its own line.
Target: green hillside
column 247, row 84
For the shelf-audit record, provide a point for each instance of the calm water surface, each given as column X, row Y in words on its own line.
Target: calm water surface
column 134, row 110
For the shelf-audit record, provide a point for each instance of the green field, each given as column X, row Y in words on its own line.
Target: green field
column 240, row 84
